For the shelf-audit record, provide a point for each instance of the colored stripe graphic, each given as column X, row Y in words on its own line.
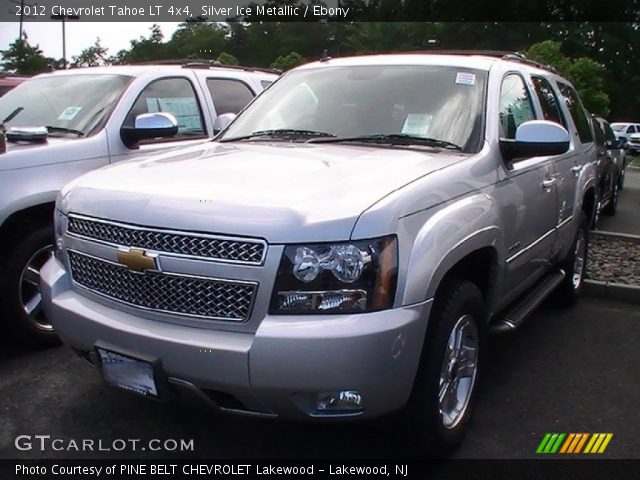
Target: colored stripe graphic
column 574, row 442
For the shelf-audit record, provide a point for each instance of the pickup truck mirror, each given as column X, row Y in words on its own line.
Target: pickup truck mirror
column 222, row 121
column 149, row 125
column 536, row 138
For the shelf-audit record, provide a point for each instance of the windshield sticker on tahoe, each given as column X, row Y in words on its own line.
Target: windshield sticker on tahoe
column 69, row 113
column 463, row 78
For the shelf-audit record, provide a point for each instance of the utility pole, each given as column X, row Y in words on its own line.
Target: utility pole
column 22, row 5
column 62, row 18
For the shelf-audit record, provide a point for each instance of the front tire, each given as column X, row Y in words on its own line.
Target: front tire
column 22, row 304
column 440, row 406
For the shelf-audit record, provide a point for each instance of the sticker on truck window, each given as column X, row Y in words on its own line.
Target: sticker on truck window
column 69, row 113
column 417, row 124
column 185, row 109
column 463, row 78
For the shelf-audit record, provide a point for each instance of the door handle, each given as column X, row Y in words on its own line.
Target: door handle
column 549, row 182
column 576, row 170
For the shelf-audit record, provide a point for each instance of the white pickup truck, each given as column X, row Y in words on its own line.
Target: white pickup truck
column 63, row 124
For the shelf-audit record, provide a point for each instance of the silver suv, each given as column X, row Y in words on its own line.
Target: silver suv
column 63, row 124
column 342, row 249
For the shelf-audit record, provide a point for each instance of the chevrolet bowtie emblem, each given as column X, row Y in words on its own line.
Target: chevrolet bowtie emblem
column 137, row 259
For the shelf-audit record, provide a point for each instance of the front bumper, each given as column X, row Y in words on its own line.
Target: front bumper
column 278, row 370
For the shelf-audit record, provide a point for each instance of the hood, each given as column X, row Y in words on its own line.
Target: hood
column 282, row 192
column 53, row 150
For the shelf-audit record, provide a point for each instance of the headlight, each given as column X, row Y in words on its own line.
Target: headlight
column 358, row 276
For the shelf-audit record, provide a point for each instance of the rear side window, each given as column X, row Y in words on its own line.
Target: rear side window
column 515, row 105
column 598, row 129
column 609, row 133
column 548, row 101
column 229, row 96
column 577, row 112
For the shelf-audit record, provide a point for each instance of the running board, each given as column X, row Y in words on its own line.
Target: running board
column 518, row 313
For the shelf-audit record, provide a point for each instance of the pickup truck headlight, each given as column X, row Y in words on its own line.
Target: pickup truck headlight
column 358, row 276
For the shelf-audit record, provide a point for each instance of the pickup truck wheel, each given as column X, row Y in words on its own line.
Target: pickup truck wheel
column 439, row 409
column 575, row 265
column 612, row 206
column 23, row 298
column 621, row 180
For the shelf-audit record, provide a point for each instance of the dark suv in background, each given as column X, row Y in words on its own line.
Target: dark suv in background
column 611, row 167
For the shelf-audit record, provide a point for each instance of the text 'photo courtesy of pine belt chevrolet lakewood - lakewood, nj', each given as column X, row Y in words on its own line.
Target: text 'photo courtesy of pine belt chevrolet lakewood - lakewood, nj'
column 325, row 257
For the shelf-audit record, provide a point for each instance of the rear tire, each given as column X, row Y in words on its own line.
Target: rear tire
column 575, row 265
column 612, row 206
column 437, row 414
column 22, row 299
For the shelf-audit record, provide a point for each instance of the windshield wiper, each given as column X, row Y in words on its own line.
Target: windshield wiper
column 12, row 115
column 392, row 139
column 281, row 133
column 53, row 128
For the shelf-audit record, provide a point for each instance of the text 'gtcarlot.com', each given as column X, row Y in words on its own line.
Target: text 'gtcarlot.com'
column 46, row 443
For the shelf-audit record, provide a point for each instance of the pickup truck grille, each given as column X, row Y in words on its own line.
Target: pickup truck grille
column 250, row 252
column 165, row 292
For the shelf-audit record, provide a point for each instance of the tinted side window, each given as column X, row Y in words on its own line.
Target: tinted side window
column 631, row 129
column 598, row 129
column 515, row 105
column 175, row 96
column 229, row 96
column 577, row 112
column 548, row 101
column 609, row 133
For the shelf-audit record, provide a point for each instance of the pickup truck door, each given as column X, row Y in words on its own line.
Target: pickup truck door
column 528, row 197
column 181, row 96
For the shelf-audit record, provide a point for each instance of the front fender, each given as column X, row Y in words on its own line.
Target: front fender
column 445, row 238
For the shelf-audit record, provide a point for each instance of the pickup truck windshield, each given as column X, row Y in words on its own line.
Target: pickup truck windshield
column 443, row 105
column 66, row 104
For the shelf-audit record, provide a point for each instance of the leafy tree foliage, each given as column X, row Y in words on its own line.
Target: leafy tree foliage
column 25, row 59
column 92, row 56
column 285, row 62
column 227, row 59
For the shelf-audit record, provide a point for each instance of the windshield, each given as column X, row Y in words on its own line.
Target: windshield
column 618, row 127
column 384, row 102
column 63, row 103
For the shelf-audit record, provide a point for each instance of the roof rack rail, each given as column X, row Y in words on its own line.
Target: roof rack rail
column 504, row 55
column 204, row 64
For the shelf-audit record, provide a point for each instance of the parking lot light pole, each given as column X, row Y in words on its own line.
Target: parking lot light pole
column 62, row 18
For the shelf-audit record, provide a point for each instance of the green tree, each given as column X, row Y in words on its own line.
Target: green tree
column 92, row 56
column 227, row 59
column 285, row 62
column 23, row 59
column 586, row 74
column 198, row 40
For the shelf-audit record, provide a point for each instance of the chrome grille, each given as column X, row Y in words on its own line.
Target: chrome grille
column 185, row 295
column 176, row 243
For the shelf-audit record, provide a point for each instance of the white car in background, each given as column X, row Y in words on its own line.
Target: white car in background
column 62, row 124
column 623, row 131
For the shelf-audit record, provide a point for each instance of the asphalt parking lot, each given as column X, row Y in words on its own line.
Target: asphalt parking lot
column 565, row 370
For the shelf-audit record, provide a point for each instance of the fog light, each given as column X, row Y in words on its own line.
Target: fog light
column 335, row 300
column 343, row 401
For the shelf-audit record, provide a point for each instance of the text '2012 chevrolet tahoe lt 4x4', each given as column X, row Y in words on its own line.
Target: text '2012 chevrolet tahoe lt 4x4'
column 342, row 249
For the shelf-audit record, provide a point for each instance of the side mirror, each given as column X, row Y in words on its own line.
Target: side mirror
column 149, row 125
column 222, row 121
column 536, row 138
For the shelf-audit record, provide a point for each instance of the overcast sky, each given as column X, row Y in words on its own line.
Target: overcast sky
column 80, row 35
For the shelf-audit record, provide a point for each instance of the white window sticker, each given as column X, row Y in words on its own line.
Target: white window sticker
column 417, row 124
column 69, row 113
column 463, row 78
column 185, row 109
